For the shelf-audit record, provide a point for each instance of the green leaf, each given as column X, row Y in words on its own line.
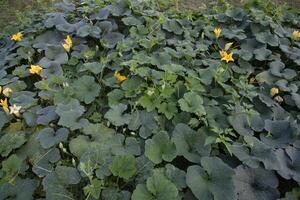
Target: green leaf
column 282, row 133
column 94, row 188
column 94, row 67
column 161, row 187
column 258, row 152
column 44, row 162
column 86, row 89
column 67, row 175
column 55, row 183
column 21, row 190
column 11, row 141
column 192, row 102
column 111, row 193
column 115, row 115
column 157, row 187
column 3, row 119
column 289, row 160
column 48, row 137
column 168, row 109
column 149, row 102
column 114, row 97
column 267, row 38
column 79, row 145
column 141, row 192
column 262, row 54
column 131, row 21
column 160, row 148
column 277, row 68
column 240, row 121
column 207, row 182
column 177, row 176
column 123, row 166
column 189, row 143
column 90, row 30
column 11, row 168
column 70, row 113
column 172, row 25
column 247, row 179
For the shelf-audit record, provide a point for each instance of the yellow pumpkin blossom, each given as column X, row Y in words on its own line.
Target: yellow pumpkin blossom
column 4, row 105
column 119, row 77
column 296, row 35
column 17, row 37
column 226, row 56
column 217, row 32
column 35, row 69
column 7, row 92
column 68, row 43
column 222, row 53
column 274, row 91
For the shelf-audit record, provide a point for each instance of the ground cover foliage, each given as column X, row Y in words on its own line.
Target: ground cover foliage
column 119, row 101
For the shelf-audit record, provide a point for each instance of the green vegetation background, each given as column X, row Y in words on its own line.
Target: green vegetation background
column 12, row 11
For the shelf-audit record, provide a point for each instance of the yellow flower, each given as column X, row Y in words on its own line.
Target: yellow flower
column 226, row 57
column 68, row 43
column 274, row 91
column 217, row 32
column 35, row 69
column 119, row 77
column 7, row 92
column 296, row 35
column 4, row 105
column 228, row 45
column 17, row 37
column 222, row 53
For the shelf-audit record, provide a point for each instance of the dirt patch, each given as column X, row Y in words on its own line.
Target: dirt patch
column 195, row 4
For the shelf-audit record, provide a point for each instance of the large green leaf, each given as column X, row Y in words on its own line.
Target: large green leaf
column 189, row 143
column 11, row 167
column 157, row 187
column 10, row 142
column 281, row 133
column 289, row 163
column 192, row 102
column 214, row 180
column 22, row 189
column 258, row 152
column 256, row 183
column 86, row 89
column 115, row 115
column 268, row 38
column 70, row 113
column 48, row 137
column 123, row 166
column 55, row 184
column 160, row 148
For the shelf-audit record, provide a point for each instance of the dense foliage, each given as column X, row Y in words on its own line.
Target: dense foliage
column 121, row 101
